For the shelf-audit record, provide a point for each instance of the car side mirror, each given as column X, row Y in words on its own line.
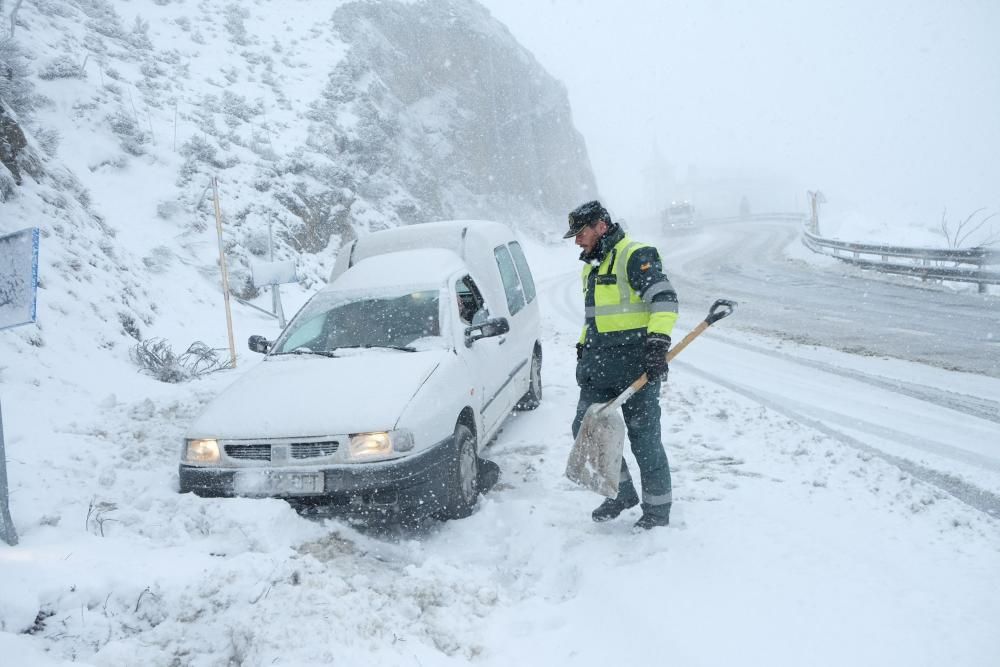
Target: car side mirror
column 259, row 344
column 497, row 326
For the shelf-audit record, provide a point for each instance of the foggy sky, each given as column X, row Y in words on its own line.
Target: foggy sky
column 893, row 111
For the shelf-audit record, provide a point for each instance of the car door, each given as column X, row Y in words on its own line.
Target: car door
column 515, row 347
column 483, row 358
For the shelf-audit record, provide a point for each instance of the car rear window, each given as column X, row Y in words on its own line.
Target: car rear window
column 527, row 282
column 511, row 283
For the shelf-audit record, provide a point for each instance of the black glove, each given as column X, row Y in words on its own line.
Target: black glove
column 579, row 351
column 655, row 353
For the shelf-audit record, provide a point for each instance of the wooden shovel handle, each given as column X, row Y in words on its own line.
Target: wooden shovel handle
column 721, row 308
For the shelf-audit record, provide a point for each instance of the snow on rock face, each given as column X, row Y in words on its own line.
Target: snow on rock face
column 323, row 122
column 440, row 91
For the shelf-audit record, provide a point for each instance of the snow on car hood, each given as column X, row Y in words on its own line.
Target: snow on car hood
column 293, row 396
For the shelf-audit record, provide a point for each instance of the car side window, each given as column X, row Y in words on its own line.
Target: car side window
column 511, row 283
column 527, row 282
column 471, row 306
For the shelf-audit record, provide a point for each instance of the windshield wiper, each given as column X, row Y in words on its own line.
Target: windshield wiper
column 366, row 346
column 306, row 350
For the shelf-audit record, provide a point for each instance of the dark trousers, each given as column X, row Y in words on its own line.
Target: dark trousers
column 642, row 420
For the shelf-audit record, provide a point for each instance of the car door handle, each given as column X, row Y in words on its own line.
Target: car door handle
column 501, row 340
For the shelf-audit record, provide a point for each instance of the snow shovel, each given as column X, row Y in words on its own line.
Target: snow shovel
column 596, row 458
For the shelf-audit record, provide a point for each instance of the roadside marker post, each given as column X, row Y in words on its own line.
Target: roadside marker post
column 18, row 305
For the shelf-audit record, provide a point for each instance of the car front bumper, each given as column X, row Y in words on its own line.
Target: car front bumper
column 415, row 483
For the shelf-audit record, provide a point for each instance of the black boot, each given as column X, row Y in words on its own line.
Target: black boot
column 652, row 519
column 612, row 507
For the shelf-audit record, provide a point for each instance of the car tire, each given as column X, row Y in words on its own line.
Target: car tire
column 533, row 397
column 463, row 482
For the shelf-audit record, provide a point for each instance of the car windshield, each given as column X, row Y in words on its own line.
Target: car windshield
column 407, row 320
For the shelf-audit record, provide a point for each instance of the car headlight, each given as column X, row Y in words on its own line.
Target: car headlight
column 369, row 446
column 201, row 450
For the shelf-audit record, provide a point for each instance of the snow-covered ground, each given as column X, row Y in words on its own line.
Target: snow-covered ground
column 786, row 546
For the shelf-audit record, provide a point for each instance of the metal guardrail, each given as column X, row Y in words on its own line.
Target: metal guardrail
column 955, row 264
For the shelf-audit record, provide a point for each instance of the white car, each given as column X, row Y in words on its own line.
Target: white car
column 382, row 389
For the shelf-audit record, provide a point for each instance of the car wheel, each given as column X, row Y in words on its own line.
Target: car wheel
column 463, row 487
column 533, row 396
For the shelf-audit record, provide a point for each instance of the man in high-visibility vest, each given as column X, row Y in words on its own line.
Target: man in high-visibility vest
column 630, row 311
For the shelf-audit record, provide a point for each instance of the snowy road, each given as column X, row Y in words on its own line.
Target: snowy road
column 836, row 306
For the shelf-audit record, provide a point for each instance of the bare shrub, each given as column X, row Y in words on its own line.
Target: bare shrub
column 972, row 229
column 157, row 358
column 320, row 216
column 97, row 515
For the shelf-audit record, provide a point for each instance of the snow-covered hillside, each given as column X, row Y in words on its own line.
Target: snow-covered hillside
column 320, row 120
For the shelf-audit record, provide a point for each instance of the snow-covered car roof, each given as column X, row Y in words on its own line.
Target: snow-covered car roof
column 462, row 237
column 421, row 267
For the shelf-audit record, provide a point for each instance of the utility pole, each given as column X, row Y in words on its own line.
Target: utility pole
column 815, row 199
column 225, row 273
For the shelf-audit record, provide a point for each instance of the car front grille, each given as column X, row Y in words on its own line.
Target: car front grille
column 249, row 452
column 281, row 450
column 312, row 450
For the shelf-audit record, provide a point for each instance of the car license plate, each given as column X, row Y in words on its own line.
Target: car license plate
column 274, row 483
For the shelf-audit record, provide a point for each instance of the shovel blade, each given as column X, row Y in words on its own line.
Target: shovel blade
column 596, row 458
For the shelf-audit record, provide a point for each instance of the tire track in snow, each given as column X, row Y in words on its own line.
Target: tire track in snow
column 973, row 496
column 981, row 408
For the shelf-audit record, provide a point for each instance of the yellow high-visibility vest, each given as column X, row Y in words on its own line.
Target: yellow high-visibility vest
column 618, row 307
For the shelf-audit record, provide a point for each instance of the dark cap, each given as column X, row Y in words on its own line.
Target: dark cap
column 586, row 214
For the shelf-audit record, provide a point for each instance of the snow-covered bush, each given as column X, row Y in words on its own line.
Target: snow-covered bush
column 139, row 37
column 48, row 140
column 157, row 358
column 130, row 137
column 234, row 24
column 167, row 209
column 15, row 86
column 8, row 186
column 61, row 67
column 237, row 108
column 159, row 259
column 197, row 151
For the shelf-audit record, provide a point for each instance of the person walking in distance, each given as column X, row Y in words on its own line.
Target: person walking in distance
column 630, row 311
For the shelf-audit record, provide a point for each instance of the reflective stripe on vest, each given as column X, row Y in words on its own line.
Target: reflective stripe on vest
column 618, row 309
